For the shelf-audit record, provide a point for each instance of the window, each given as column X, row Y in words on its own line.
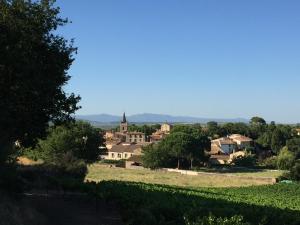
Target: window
column 140, row 136
column 119, row 155
column 125, row 155
column 113, row 155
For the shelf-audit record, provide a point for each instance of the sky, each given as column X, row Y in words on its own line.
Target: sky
column 204, row 58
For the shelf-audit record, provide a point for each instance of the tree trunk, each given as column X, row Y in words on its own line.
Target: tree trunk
column 178, row 163
column 191, row 163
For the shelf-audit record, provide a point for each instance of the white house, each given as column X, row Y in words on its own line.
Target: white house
column 223, row 145
column 241, row 140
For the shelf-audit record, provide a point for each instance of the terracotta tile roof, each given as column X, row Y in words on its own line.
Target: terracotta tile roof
column 124, row 148
column 240, row 137
column 221, row 157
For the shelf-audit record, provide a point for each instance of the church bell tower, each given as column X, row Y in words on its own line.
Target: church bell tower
column 124, row 124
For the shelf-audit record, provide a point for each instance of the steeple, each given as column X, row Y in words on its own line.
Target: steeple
column 124, row 124
column 124, row 118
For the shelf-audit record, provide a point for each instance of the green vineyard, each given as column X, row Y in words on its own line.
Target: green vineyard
column 142, row 203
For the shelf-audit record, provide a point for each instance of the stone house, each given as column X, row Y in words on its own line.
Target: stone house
column 123, row 151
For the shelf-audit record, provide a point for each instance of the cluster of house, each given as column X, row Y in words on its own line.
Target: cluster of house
column 127, row 145
column 225, row 149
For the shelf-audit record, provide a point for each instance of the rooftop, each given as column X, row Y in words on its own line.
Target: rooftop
column 124, row 148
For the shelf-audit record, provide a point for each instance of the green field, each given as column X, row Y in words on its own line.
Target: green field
column 101, row 172
column 223, row 198
column 160, row 204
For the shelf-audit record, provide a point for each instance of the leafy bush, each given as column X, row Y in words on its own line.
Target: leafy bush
column 295, row 171
column 62, row 172
column 31, row 153
column 285, row 159
column 69, row 165
column 79, row 138
column 270, row 162
column 117, row 163
column 248, row 160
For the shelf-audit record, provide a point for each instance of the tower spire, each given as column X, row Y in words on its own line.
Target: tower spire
column 124, row 118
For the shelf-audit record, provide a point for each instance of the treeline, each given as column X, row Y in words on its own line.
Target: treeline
column 266, row 136
column 274, row 146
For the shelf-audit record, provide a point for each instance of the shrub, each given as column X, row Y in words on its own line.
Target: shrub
column 80, row 138
column 31, row 153
column 117, row 163
column 295, row 171
column 248, row 160
column 68, row 165
column 270, row 162
column 285, row 159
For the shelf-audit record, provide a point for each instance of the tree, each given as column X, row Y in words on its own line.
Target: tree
column 294, row 146
column 199, row 142
column 80, row 139
column 278, row 140
column 285, row 159
column 257, row 121
column 236, row 128
column 178, row 144
column 295, row 171
column 33, row 70
column 265, row 140
column 214, row 130
column 185, row 144
column 154, row 157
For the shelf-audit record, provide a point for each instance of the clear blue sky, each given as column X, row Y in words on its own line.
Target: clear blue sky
column 217, row 59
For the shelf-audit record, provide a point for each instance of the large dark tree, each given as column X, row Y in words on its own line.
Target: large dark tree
column 185, row 143
column 33, row 70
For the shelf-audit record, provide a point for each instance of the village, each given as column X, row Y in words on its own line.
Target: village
column 127, row 145
column 149, row 112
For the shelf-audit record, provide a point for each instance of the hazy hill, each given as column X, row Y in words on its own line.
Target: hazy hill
column 153, row 118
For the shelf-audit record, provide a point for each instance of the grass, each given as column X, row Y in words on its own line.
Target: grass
column 247, row 172
column 100, row 172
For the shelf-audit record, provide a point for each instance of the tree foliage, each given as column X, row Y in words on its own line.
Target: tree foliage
column 80, row 139
column 257, row 121
column 294, row 146
column 183, row 144
column 285, row 159
column 33, row 70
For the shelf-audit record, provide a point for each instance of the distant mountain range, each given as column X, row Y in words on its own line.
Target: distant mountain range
column 153, row 118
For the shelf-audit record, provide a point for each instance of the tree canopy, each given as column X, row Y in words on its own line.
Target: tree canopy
column 257, row 121
column 79, row 139
column 183, row 144
column 34, row 61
